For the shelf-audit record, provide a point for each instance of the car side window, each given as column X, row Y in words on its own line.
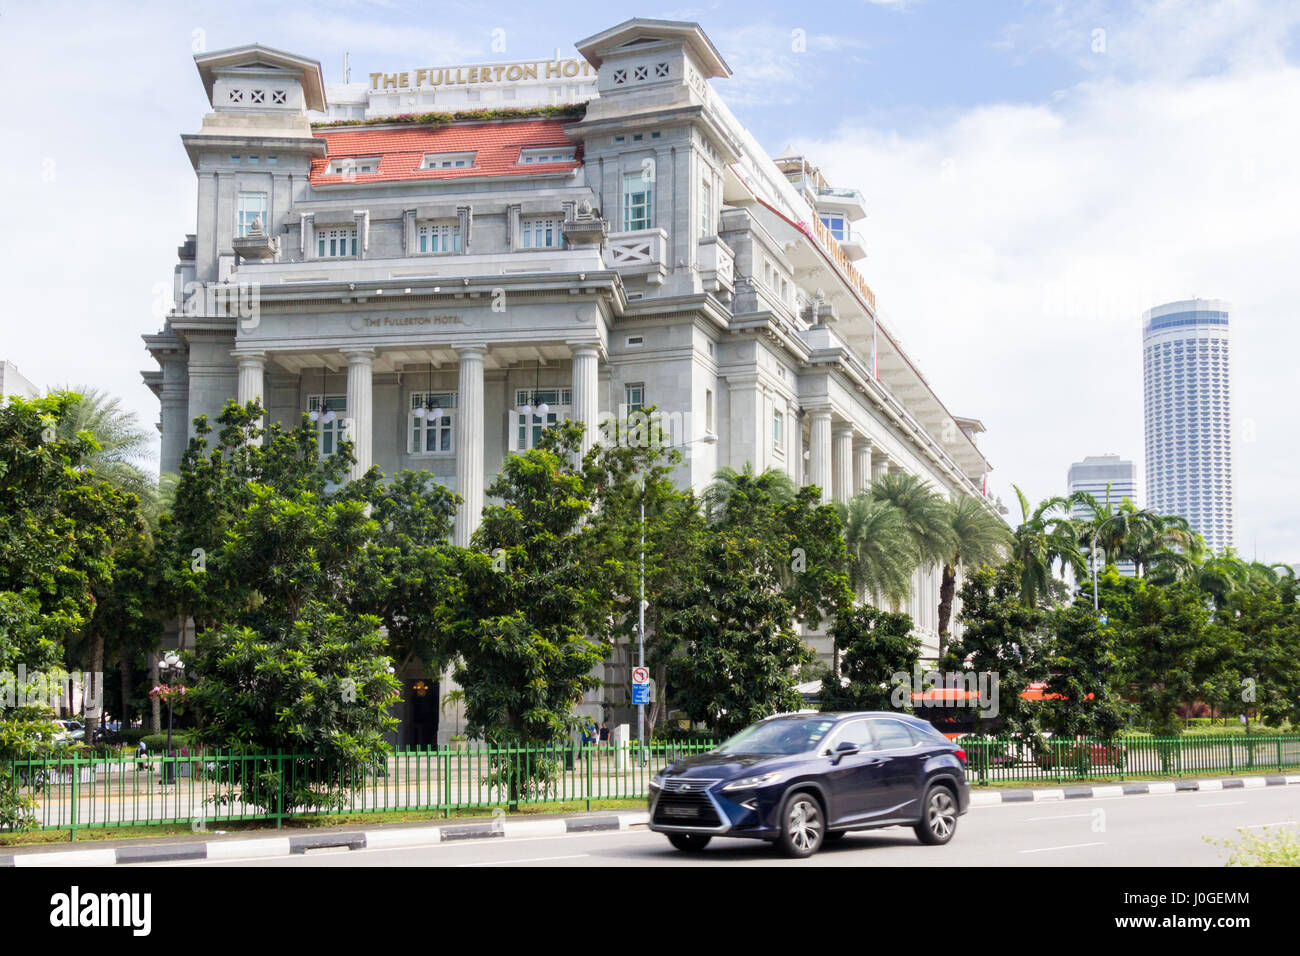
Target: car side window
column 856, row 732
column 893, row 735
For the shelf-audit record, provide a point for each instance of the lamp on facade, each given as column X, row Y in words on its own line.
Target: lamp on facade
column 429, row 407
column 323, row 415
column 539, row 410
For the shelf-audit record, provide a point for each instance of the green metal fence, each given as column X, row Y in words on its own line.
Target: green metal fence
column 1045, row 760
column 205, row 788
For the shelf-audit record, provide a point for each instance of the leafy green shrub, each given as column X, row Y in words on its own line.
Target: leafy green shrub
column 1279, row 847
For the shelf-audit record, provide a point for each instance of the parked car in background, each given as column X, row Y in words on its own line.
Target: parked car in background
column 800, row 780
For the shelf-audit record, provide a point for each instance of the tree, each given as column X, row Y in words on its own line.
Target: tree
column 1084, row 693
column 979, row 537
column 534, row 617
column 1045, row 538
column 924, row 513
column 1001, row 637
column 881, row 561
column 58, row 523
column 874, row 647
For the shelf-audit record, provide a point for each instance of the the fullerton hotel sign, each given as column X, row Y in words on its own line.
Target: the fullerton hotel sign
column 399, row 321
column 436, row 76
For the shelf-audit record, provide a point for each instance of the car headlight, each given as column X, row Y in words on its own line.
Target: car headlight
column 749, row 783
column 657, row 781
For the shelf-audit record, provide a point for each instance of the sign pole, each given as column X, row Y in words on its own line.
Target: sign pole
column 640, row 632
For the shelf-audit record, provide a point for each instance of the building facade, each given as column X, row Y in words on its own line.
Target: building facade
column 1110, row 479
column 1186, row 367
column 13, row 382
column 440, row 291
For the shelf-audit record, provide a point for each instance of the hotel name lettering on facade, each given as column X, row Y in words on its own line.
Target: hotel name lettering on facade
column 490, row 73
column 390, row 321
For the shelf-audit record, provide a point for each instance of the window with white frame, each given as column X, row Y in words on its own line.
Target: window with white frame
column 252, row 208
column 708, row 411
column 638, row 200
column 778, row 430
column 333, row 243
column 438, row 237
column 449, row 160
column 547, row 154
column 634, row 397
column 330, row 416
column 433, row 423
column 527, row 430
column 540, row 233
column 706, row 208
column 835, row 224
column 352, row 166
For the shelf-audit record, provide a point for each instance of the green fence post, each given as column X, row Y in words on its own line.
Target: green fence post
column 1279, row 753
column 589, row 758
column 279, row 790
column 76, row 777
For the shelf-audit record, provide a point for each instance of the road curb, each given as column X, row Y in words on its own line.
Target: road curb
column 993, row 798
column 268, row 847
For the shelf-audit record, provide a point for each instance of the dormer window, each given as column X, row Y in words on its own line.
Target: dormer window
column 546, row 154
column 353, row 166
column 541, row 233
column 449, row 160
column 438, row 237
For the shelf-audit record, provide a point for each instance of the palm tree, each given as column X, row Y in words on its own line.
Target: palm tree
column 924, row 513
column 1046, row 537
column 729, row 495
column 123, row 447
column 1154, row 536
column 979, row 537
column 881, row 559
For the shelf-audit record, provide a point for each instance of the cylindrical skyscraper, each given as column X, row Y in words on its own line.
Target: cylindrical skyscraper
column 1188, row 400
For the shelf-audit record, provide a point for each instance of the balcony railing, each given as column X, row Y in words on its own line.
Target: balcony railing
column 643, row 252
column 717, row 266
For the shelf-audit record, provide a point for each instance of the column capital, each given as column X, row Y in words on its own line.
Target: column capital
column 471, row 349
column 361, row 355
column 586, row 349
column 842, row 428
column 862, row 442
column 819, row 414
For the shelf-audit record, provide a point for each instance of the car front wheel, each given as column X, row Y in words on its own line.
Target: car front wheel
column 939, row 818
column 803, row 827
column 689, row 842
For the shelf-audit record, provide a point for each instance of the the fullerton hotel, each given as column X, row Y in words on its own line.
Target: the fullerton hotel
column 441, row 292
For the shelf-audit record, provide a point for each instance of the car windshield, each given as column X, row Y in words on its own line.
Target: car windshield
column 782, row 735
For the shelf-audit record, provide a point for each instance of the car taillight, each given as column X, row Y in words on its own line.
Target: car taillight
column 961, row 755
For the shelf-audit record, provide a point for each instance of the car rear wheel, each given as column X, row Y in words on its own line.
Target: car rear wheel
column 689, row 842
column 938, row 818
column 803, row 826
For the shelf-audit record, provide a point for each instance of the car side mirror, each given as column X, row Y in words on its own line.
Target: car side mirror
column 845, row 748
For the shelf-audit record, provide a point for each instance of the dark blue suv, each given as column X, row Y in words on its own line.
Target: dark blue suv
column 802, row 779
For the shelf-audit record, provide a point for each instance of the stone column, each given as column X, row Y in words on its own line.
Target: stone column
column 819, row 459
column 174, row 411
column 360, row 410
column 842, row 462
column 249, row 386
column 586, row 391
column 861, row 465
column 879, row 464
column 469, row 442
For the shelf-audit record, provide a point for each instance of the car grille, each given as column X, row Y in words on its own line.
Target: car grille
column 684, row 803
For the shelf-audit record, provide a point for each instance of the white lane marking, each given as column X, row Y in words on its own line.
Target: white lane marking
column 527, row 859
column 1061, row 816
column 1071, row 846
column 1279, row 823
column 1226, row 803
column 445, row 845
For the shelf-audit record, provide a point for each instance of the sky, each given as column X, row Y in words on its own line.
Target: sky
column 1036, row 175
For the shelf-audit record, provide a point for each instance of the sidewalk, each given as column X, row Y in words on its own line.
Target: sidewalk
column 987, row 798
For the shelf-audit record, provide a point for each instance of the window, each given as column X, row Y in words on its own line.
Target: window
column 252, row 206
column 449, row 160
column 855, row 732
column 706, row 208
column 433, row 432
column 634, row 397
column 438, row 237
column 778, row 428
column 635, row 341
column 546, row 154
column 708, row 411
column 893, row 735
column 352, row 166
column 638, row 194
column 527, row 430
column 541, row 233
column 329, row 433
column 332, row 243
column 836, row 226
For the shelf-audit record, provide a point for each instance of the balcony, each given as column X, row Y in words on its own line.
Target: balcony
column 717, row 267
column 643, row 252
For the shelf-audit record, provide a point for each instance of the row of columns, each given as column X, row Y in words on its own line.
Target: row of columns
column 842, row 462
column 470, row 477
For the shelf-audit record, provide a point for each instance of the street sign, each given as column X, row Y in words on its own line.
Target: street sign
column 640, row 685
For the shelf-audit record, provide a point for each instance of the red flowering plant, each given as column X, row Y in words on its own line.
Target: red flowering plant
column 168, row 692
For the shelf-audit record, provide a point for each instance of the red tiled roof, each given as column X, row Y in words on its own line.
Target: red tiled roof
column 401, row 150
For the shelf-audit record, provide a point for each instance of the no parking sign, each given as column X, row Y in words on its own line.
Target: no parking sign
column 640, row 685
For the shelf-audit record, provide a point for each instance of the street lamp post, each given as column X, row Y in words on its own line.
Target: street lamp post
column 707, row 439
column 170, row 664
column 1096, row 597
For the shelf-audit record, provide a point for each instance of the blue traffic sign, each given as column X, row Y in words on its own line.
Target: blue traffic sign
column 640, row 694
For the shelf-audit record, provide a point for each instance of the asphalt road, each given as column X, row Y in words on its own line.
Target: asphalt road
column 1162, row 830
